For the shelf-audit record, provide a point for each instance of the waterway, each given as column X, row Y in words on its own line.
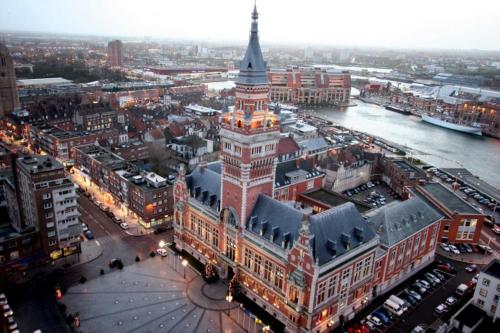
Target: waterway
column 435, row 145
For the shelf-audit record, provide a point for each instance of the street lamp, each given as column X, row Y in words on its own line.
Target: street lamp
column 229, row 299
column 184, row 263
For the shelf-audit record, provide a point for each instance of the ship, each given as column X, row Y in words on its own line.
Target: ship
column 448, row 123
column 397, row 109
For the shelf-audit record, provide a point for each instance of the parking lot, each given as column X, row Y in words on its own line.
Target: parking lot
column 375, row 193
column 423, row 311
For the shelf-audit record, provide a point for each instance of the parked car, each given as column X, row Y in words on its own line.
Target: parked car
column 370, row 324
column 429, row 280
column 84, row 227
column 445, row 247
column 418, row 288
column 382, row 316
column 426, row 284
column 414, row 294
column 89, row 235
column 124, row 225
column 485, row 249
column 438, row 274
column 454, row 249
column 420, row 328
column 468, row 248
column 440, row 309
column 408, row 298
column 451, row 300
column 447, row 267
column 117, row 220
column 373, row 319
column 432, row 277
column 471, row 268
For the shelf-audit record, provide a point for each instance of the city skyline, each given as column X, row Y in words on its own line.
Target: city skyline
column 388, row 24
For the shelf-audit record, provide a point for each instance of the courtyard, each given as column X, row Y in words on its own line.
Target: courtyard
column 156, row 295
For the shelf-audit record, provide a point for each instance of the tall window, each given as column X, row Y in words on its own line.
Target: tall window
column 248, row 259
column 230, row 248
column 257, row 263
column 268, row 268
column 332, row 286
column 278, row 278
column 320, row 298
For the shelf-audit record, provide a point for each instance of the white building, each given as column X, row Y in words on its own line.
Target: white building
column 487, row 293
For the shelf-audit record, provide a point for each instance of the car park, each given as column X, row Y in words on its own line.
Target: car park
column 450, row 301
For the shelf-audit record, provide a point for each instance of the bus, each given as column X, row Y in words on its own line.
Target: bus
column 393, row 307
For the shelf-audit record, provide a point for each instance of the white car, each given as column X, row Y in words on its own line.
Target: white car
column 162, row 252
column 440, row 309
column 453, row 249
column 84, row 227
column 451, row 300
column 445, row 247
column 124, row 225
column 374, row 320
column 418, row 329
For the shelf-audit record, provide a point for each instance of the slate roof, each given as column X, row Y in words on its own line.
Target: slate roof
column 337, row 231
column 333, row 232
column 276, row 218
column 400, row 219
column 204, row 184
column 283, row 168
column 253, row 67
column 314, row 144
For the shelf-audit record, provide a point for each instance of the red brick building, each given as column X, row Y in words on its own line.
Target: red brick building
column 462, row 223
column 401, row 175
column 309, row 85
column 307, row 272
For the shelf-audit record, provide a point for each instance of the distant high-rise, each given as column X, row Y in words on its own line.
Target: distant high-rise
column 115, row 53
column 8, row 91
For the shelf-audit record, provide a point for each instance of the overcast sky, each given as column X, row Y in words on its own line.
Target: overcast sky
column 458, row 24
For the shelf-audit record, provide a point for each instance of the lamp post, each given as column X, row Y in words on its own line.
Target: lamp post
column 229, row 299
column 184, row 263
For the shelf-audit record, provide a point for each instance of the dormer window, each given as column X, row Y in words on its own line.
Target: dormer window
column 249, row 65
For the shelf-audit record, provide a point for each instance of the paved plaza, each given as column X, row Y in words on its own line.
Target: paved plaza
column 153, row 296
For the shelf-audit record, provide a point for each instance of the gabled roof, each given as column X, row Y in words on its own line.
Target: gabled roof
column 253, row 67
column 204, row 184
column 401, row 219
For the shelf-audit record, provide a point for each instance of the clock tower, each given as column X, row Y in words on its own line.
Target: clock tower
column 249, row 135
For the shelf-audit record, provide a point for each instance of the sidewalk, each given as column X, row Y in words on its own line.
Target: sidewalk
column 91, row 250
column 471, row 258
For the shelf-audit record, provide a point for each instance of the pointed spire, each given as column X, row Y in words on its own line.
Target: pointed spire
column 253, row 67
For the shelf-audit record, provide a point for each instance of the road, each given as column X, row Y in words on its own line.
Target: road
column 34, row 304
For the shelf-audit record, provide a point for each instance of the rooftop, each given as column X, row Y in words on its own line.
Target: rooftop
column 493, row 268
column 408, row 168
column 38, row 163
column 204, row 184
column 401, row 219
column 470, row 316
column 43, row 82
column 448, row 199
column 302, row 127
column 333, row 199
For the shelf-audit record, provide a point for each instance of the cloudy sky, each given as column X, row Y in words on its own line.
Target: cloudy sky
column 456, row 24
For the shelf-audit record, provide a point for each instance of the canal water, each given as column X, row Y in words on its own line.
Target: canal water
column 435, row 145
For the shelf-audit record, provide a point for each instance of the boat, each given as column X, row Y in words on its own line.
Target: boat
column 397, row 109
column 451, row 125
